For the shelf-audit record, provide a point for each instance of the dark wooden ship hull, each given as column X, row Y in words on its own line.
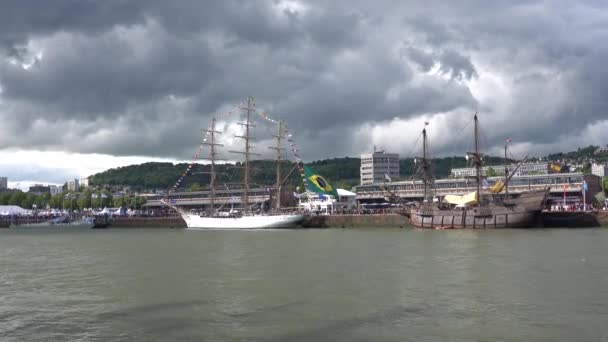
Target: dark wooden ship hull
column 518, row 212
column 569, row 219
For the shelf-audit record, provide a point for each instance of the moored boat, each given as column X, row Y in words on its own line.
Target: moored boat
column 570, row 219
column 247, row 219
column 478, row 209
column 59, row 222
column 197, row 222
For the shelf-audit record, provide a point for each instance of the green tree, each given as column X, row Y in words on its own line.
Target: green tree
column 70, row 201
column 84, row 200
column 16, row 198
column 28, row 201
column 121, row 201
column 5, row 198
column 96, row 200
column 56, row 201
column 194, row 187
column 137, row 201
column 106, row 199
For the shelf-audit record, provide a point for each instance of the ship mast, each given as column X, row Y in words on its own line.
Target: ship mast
column 477, row 159
column 212, row 144
column 279, row 137
column 424, row 170
column 506, row 172
column 248, row 147
column 426, row 166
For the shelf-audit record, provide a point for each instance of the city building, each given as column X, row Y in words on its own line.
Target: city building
column 225, row 199
column 39, row 189
column 55, row 189
column 599, row 169
column 524, row 170
column 375, row 167
column 84, row 182
column 601, row 149
column 560, row 184
column 73, row 185
column 3, row 183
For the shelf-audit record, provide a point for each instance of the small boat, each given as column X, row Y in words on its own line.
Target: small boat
column 59, row 222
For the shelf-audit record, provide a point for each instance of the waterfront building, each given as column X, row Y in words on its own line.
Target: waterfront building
column 376, row 166
column 84, row 182
column 570, row 184
column 601, row 149
column 39, row 189
column 524, row 170
column 225, row 199
column 599, row 169
column 73, row 185
column 3, row 183
column 55, row 189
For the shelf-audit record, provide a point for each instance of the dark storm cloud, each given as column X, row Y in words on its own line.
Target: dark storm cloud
column 142, row 77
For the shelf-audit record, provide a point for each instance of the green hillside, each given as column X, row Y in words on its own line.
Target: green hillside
column 341, row 172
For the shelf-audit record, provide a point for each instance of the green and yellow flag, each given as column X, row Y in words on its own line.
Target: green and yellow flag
column 316, row 183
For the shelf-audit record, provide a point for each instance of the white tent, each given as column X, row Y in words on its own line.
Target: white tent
column 345, row 193
column 106, row 211
column 6, row 210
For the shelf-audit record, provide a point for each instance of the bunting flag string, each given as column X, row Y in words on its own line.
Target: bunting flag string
column 200, row 150
column 292, row 143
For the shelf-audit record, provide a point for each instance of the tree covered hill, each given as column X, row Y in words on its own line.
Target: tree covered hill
column 341, row 172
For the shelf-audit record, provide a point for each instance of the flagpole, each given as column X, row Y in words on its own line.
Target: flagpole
column 584, row 195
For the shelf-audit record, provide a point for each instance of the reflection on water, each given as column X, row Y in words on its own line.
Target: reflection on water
column 310, row 285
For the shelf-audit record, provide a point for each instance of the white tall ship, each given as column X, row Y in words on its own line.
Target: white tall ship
column 245, row 219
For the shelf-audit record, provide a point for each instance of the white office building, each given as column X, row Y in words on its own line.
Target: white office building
column 599, row 169
column 84, row 182
column 526, row 169
column 3, row 183
column 375, row 167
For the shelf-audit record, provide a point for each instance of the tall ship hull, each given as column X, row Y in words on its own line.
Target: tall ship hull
column 520, row 212
column 195, row 222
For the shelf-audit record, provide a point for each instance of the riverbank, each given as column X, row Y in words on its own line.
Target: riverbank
column 331, row 221
column 321, row 221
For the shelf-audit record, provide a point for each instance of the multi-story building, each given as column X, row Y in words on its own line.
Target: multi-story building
column 55, row 189
column 524, row 170
column 558, row 184
column 73, row 185
column 599, row 169
column 39, row 189
column 375, row 167
column 84, row 182
column 3, row 183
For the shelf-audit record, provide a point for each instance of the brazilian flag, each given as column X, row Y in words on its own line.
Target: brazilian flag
column 316, row 183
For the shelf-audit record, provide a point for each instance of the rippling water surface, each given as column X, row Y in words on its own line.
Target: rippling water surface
column 307, row 285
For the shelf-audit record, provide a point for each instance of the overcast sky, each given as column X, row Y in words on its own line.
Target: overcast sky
column 88, row 85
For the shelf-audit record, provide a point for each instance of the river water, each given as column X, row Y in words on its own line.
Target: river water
column 305, row 285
